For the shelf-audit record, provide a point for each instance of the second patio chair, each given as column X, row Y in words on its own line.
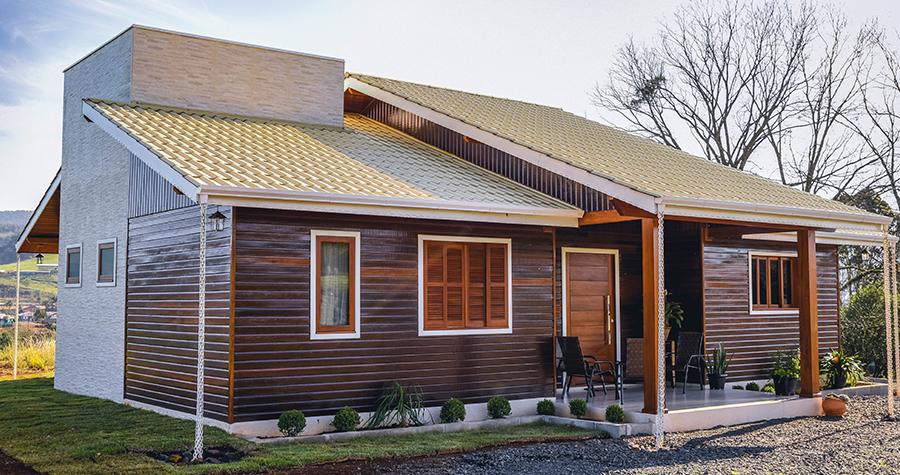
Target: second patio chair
column 578, row 364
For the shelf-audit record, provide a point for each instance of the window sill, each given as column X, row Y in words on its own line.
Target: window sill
column 786, row 311
column 334, row 336
column 106, row 284
column 466, row 331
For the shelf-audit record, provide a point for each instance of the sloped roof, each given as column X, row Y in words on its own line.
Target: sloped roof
column 363, row 158
column 635, row 162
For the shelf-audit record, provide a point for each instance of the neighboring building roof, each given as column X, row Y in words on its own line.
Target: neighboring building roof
column 364, row 158
column 671, row 176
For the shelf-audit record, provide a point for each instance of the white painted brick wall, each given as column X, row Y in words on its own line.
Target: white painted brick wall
column 90, row 351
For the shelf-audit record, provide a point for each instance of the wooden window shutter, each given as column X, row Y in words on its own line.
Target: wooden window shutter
column 477, row 275
column 434, row 286
column 498, row 285
column 454, row 284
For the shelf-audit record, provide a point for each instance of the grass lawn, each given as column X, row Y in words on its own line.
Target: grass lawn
column 58, row 433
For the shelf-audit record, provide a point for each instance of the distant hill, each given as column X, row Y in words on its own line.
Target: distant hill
column 19, row 217
column 11, row 225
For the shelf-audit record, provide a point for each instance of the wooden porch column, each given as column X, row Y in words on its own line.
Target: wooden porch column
column 809, row 316
column 650, row 256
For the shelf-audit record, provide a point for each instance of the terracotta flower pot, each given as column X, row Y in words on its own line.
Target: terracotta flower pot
column 834, row 407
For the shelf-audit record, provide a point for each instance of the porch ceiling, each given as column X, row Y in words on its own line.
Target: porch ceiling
column 41, row 234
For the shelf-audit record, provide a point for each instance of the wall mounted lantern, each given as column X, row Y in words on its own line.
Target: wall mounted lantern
column 219, row 219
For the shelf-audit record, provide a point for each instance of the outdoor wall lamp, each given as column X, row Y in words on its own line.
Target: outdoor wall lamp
column 865, row 255
column 219, row 219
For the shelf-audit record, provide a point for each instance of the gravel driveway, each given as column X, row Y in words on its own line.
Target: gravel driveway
column 860, row 443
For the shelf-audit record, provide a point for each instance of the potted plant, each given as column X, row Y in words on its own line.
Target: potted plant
column 674, row 314
column 786, row 372
column 718, row 367
column 841, row 369
column 835, row 405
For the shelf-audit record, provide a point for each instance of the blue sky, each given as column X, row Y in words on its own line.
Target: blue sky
column 550, row 52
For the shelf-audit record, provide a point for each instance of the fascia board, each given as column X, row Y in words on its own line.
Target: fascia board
column 837, row 238
column 158, row 164
column 40, row 210
column 393, row 207
column 571, row 171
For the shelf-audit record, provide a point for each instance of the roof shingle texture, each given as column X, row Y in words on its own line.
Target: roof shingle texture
column 633, row 161
column 362, row 158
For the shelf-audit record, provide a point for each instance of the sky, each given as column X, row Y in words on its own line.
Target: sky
column 550, row 52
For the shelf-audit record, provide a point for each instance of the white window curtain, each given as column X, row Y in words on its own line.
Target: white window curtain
column 334, row 283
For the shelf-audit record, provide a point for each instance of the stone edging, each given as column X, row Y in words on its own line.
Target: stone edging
column 614, row 430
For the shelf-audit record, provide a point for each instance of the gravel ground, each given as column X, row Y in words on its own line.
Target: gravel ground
column 860, row 442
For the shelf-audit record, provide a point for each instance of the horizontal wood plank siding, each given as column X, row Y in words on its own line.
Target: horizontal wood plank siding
column 161, row 312
column 149, row 192
column 278, row 368
column 486, row 156
column 752, row 338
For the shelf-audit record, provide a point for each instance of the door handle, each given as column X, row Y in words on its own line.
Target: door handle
column 608, row 322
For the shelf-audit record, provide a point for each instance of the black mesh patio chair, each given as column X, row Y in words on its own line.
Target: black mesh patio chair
column 688, row 355
column 588, row 367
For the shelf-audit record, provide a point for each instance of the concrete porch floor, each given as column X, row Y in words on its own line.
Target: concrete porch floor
column 695, row 408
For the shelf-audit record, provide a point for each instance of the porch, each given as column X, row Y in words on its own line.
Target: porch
column 695, row 409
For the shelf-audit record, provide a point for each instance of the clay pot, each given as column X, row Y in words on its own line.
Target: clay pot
column 834, row 407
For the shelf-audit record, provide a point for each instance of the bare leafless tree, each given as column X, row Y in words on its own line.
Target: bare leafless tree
column 726, row 72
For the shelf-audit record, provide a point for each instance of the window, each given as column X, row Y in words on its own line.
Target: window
column 106, row 262
column 772, row 282
column 73, row 265
column 464, row 285
column 334, row 285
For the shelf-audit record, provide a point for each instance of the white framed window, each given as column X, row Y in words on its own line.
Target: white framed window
column 73, row 260
column 106, row 263
column 333, row 285
column 465, row 285
column 772, row 285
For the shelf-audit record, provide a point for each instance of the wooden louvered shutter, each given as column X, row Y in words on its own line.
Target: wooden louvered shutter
column 434, row 286
column 497, row 285
column 454, row 284
column 477, row 275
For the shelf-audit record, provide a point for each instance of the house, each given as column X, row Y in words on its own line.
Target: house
column 369, row 230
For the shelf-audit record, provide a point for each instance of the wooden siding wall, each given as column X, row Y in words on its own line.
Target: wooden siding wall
column 488, row 157
column 753, row 338
column 277, row 367
column 161, row 312
column 626, row 238
column 149, row 192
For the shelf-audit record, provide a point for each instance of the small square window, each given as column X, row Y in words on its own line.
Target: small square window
column 106, row 262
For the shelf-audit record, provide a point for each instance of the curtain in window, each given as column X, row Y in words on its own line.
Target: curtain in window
column 334, row 283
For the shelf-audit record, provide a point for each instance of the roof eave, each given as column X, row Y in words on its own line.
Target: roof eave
column 36, row 215
column 388, row 206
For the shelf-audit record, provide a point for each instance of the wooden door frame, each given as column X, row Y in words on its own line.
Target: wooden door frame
column 565, row 278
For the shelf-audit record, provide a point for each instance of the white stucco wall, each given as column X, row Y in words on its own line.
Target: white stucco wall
column 90, row 349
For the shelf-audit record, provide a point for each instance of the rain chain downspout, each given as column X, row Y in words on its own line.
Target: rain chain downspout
column 660, row 337
column 894, row 303
column 16, row 319
column 201, row 334
column 888, row 322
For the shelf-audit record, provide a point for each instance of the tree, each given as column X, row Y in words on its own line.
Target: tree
column 727, row 72
column 857, row 272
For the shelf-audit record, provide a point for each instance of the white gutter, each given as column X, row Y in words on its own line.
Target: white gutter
column 837, row 237
column 388, row 206
column 160, row 165
column 40, row 209
column 559, row 166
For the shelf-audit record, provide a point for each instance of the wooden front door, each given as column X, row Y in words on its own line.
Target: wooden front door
column 591, row 302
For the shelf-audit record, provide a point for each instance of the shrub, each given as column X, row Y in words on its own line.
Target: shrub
column 346, row 420
column 737, row 386
column 578, row 408
column 398, row 404
column 752, row 386
column 768, row 388
column 498, row 407
column 453, row 411
column 615, row 414
column 546, row 408
column 291, row 423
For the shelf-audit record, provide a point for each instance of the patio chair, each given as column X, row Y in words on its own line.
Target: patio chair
column 577, row 363
column 688, row 355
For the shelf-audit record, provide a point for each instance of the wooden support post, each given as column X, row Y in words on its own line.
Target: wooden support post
column 809, row 316
column 650, row 251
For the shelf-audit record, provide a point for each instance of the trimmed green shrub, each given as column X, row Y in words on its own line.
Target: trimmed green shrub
column 768, row 388
column 546, row 408
column 498, row 407
column 615, row 414
column 453, row 411
column 737, row 386
column 578, row 407
column 346, row 420
column 291, row 423
column 752, row 386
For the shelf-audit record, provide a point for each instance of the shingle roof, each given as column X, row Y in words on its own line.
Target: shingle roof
column 636, row 162
column 362, row 158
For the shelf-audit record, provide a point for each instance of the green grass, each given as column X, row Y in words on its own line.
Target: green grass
column 62, row 434
column 31, row 264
